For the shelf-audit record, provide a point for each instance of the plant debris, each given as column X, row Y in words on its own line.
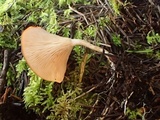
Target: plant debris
column 136, row 83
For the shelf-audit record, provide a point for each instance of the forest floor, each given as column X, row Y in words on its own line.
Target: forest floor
column 134, row 92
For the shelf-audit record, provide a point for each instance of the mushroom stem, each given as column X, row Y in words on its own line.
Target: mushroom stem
column 88, row 45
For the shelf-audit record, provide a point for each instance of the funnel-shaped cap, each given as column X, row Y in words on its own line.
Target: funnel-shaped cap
column 45, row 53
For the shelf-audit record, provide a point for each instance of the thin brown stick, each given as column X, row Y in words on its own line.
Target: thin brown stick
column 4, row 70
column 79, row 14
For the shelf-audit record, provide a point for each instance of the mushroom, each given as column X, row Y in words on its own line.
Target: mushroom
column 47, row 54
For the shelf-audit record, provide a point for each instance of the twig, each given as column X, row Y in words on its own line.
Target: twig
column 5, row 95
column 93, row 88
column 4, row 70
column 103, row 4
column 93, row 108
column 79, row 14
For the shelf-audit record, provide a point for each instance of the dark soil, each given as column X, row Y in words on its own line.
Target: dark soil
column 16, row 111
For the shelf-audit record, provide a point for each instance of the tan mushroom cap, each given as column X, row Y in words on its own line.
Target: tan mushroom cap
column 45, row 53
